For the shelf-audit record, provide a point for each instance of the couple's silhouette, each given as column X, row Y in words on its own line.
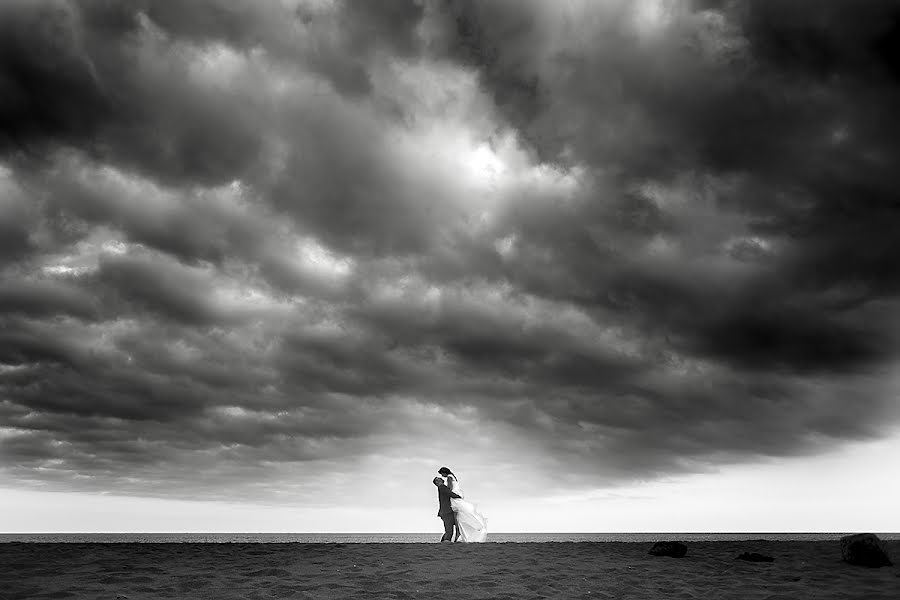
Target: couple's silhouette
column 462, row 521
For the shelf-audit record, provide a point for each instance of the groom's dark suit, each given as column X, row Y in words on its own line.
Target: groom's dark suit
column 445, row 512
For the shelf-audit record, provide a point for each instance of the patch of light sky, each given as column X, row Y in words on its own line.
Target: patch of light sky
column 803, row 494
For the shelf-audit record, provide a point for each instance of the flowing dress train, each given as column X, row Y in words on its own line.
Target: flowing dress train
column 471, row 523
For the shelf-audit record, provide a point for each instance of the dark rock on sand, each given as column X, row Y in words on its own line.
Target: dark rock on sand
column 673, row 549
column 865, row 550
column 755, row 557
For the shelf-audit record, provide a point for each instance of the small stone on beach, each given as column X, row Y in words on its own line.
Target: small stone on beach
column 865, row 550
column 673, row 549
column 755, row 557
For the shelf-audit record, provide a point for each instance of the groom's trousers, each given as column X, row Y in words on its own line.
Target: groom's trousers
column 449, row 520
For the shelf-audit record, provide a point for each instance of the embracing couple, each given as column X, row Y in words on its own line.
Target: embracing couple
column 462, row 521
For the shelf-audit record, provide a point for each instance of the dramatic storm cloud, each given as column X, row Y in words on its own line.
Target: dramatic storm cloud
column 289, row 248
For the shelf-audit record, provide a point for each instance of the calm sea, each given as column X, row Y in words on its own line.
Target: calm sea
column 405, row 538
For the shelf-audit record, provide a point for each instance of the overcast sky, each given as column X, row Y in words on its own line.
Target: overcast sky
column 598, row 257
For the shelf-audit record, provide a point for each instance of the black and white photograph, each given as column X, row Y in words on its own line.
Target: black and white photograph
column 483, row 298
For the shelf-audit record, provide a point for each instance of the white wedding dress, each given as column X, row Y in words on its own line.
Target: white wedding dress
column 471, row 523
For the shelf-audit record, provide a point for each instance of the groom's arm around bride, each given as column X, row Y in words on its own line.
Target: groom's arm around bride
column 445, row 512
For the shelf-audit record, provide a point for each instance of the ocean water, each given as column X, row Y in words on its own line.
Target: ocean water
column 407, row 538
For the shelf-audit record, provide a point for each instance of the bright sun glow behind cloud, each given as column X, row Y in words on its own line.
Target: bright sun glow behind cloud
column 482, row 164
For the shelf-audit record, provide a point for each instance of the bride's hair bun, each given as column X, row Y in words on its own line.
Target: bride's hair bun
column 445, row 471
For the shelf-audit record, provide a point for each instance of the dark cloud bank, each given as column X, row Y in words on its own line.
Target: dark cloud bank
column 242, row 242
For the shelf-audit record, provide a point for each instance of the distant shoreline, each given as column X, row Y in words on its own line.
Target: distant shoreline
column 412, row 538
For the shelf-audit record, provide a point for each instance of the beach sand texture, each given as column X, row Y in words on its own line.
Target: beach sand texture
column 457, row 571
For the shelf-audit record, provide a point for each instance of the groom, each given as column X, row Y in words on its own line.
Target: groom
column 444, row 510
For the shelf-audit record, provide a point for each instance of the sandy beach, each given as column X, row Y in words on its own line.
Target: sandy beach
column 513, row 571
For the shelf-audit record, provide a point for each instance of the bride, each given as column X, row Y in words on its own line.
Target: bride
column 471, row 526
